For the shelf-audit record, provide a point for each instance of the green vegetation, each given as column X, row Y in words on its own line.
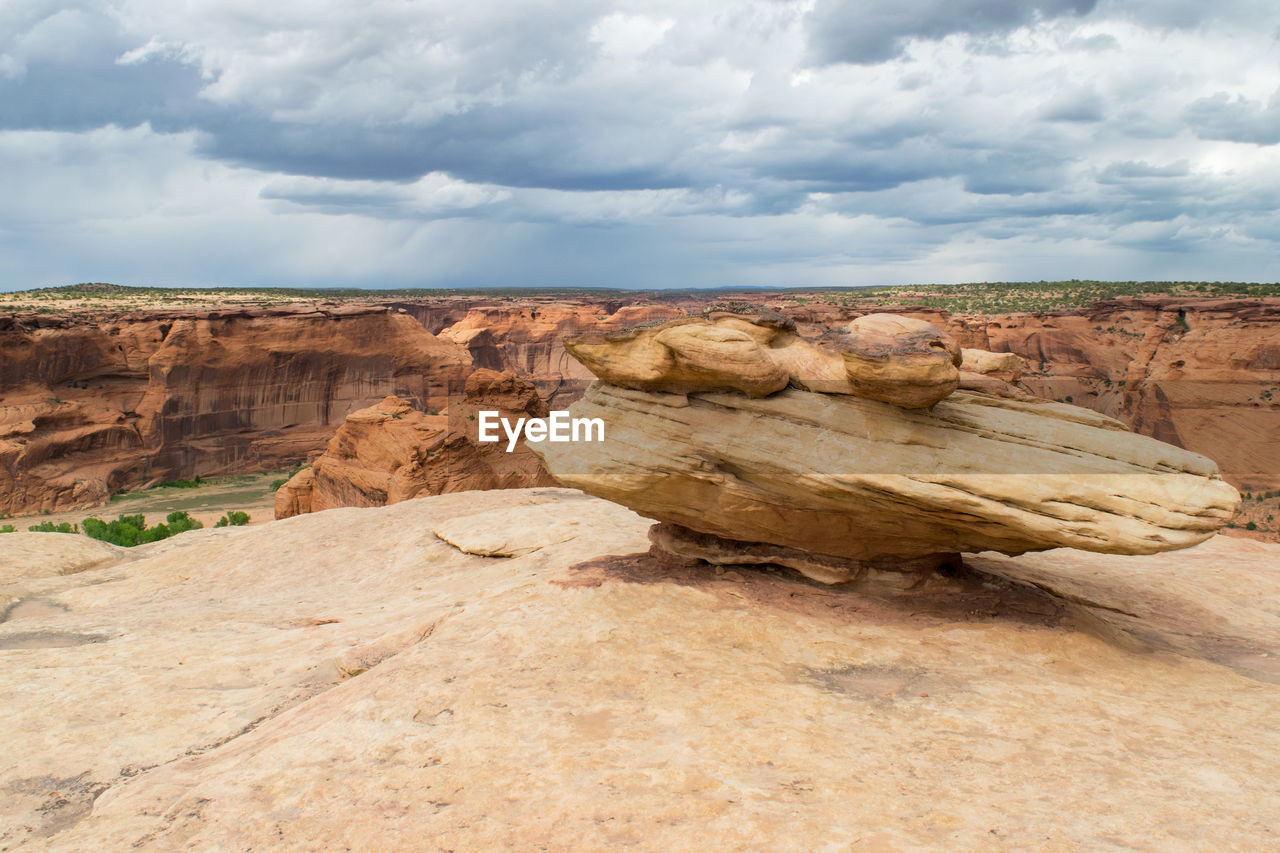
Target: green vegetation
column 50, row 527
column 974, row 297
column 131, row 530
column 235, row 518
column 7, row 528
column 181, row 484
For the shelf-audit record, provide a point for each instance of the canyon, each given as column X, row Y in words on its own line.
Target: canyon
column 95, row 402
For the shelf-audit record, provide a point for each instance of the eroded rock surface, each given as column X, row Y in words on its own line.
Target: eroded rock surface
column 886, row 357
column 392, row 452
column 351, row 680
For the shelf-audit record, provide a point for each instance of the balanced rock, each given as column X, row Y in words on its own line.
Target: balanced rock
column 840, row 481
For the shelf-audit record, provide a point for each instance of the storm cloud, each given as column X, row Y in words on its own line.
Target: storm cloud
column 514, row 142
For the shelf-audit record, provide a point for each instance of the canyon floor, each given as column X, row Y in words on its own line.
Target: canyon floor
column 207, row 502
column 349, row 679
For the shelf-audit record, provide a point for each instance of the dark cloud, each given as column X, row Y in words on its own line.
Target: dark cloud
column 67, row 77
column 1236, row 119
column 866, row 33
column 1082, row 106
column 510, row 135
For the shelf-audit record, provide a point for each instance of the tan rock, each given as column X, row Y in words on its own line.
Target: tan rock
column 30, row 555
column 862, row 480
column 1001, row 365
column 672, row 539
column 689, row 354
column 571, row 700
column 501, row 533
column 898, row 360
column 885, row 357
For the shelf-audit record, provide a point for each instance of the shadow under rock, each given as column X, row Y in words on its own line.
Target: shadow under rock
column 958, row 594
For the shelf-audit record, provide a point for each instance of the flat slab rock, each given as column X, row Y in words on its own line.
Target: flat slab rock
column 347, row 679
column 859, row 479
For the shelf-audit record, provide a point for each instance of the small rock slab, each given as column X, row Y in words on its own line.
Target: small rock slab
column 510, row 532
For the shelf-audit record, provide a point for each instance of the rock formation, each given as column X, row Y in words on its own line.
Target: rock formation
column 353, row 680
column 700, row 434
column 525, row 338
column 88, row 408
column 391, row 452
column 78, row 400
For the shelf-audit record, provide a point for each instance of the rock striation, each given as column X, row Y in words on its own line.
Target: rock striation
column 92, row 406
column 862, row 472
column 391, row 452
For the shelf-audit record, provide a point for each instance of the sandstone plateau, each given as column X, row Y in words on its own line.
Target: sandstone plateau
column 391, row 452
column 351, row 680
column 711, row 427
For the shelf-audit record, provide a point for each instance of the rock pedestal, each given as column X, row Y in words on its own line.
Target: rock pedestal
column 721, row 446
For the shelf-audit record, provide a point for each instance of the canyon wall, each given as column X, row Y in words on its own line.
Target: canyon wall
column 91, row 405
column 1200, row 374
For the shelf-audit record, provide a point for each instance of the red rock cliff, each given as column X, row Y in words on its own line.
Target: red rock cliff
column 391, row 452
column 90, row 407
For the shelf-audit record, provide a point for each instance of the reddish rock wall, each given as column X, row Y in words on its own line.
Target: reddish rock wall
column 88, row 408
column 391, row 452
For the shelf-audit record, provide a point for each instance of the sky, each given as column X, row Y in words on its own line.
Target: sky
column 426, row 143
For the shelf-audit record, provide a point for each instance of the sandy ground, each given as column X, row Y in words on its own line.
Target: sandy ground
column 251, row 493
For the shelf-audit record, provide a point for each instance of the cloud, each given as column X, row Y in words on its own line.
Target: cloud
column 1237, row 119
column 639, row 144
column 867, row 33
column 1083, row 105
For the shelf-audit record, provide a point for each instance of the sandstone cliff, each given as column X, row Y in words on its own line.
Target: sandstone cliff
column 90, row 407
column 391, row 452
column 353, row 680
column 82, row 415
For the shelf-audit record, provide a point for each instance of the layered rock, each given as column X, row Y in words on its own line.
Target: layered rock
column 845, row 477
column 1200, row 373
column 88, row 408
column 894, row 359
column 353, row 680
column 392, row 452
column 524, row 337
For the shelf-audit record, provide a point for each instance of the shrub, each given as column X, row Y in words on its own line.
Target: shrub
column 50, row 527
column 130, row 530
column 181, row 522
column 7, row 528
column 234, row 518
column 181, row 484
column 1251, row 526
column 276, row 484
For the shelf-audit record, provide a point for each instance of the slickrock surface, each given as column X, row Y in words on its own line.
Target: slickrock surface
column 348, row 680
column 392, row 452
column 695, row 441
